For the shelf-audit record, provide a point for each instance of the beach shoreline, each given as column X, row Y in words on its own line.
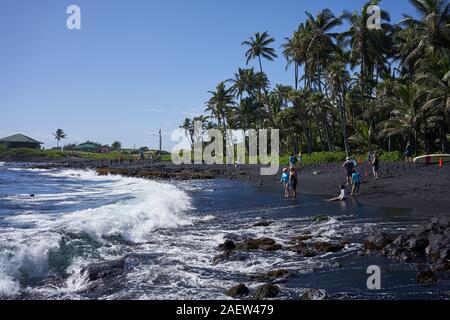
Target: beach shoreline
column 422, row 189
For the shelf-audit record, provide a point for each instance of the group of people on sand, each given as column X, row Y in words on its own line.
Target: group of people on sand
column 354, row 178
column 289, row 178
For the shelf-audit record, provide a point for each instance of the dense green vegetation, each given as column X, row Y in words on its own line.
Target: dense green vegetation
column 352, row 91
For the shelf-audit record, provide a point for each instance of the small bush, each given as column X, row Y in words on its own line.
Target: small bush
column 392, row 156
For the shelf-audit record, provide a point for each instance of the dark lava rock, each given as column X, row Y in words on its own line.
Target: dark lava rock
column 426, row 277
column 239, row 291
column 263, row 223
column 104, row 269
column 377, row 241
column 442, row 265
column 430, row 240
column 301, row 238
column 267, row 291
column 321, row 218
column 255, row 244
column 314, row 294
column 228, row 256
column 302, row 249
column 227, row 245
column 273, row 275
column 328, row 247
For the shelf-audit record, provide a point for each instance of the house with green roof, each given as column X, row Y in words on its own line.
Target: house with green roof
column 20, row 141
column 88, row 147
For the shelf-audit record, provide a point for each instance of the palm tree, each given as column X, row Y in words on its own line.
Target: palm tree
column 434, row 80
column 116, row 146
column 220, row 103
column 321, row 38
column 295, row 51
column 367, row 46
column 405, row 114
column 432, row 30
column 188, row 128
column 59, row 134
column 259, row 46
column 338, row 79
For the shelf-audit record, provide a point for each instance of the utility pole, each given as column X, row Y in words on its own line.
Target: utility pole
column 160, row 140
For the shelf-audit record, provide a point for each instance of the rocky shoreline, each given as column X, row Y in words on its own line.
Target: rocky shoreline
column 427, row 245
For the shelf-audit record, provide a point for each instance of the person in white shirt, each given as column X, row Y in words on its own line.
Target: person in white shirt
column 341, row 197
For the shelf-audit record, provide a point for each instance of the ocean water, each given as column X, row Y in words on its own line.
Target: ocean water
column 173, row 229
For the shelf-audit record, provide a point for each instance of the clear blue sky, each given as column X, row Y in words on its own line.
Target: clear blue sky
column 135, row 66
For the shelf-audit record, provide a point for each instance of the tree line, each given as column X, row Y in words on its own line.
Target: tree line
column 359, row 89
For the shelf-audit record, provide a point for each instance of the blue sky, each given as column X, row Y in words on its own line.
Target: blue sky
column 135, row 66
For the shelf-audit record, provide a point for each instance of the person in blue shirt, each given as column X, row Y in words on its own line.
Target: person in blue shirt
column 356, row 179
column 285, row 180
column 292, row 161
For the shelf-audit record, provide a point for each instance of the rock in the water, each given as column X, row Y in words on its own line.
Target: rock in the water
column 227, row 245
column 328, row 247
column 321, row 218
column 302, row 249
column 228, row 256
column 426, row 277
column 104, row 269
column 255, row 244
column 301, row 238
column 377, row 241
column 273, row 275
column 239, row 291
column 267, row 291
column 263, row 223
column 314, row 294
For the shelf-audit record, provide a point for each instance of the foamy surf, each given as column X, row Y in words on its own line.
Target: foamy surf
column 136, row 208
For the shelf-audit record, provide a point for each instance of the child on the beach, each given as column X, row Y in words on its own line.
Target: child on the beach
column 342, row 196
column 293, row 179
column 285, row 180
column 356, row 178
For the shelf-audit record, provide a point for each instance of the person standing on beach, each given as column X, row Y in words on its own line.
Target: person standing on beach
column 300, row 159
column 375, row 165
column 408, row 153
column 356, row 178
column 285, row 180
column 292, row 161
column 349, row 166
column 293, row 179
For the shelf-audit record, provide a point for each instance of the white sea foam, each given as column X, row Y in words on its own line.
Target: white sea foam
column 148, row 206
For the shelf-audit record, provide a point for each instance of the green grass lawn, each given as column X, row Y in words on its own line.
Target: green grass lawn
column 314, row 158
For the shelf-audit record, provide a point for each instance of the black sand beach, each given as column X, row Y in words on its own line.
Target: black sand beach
column 421, row 188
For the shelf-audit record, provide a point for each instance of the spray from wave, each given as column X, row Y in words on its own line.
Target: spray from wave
column 136, row 207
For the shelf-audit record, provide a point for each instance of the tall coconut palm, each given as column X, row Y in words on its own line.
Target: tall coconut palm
column 367, row 45
column 294, row 50
column 321, row 38
column 259, row 47
column 59, row 135
column 432, row 29
column 220, row 103
column 338, row 78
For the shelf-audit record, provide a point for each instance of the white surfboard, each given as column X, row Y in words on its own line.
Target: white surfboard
column 432, row 159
